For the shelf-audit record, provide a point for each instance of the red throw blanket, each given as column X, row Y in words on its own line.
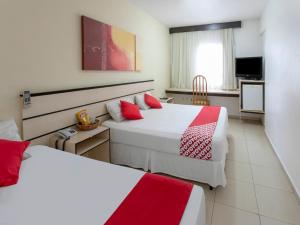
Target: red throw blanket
column 155, row 200
column 196, row 141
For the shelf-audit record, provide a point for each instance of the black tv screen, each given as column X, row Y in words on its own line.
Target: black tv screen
column 249, row 67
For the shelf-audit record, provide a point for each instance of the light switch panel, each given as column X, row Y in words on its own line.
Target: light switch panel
column 26, row 98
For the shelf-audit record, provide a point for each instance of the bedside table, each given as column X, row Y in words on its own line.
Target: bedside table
column 92, row 144
column 167, row 100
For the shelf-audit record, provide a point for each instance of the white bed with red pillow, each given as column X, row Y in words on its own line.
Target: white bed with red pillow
column 59, row 188
column 153, row 143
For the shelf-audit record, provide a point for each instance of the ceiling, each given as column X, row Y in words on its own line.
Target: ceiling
column 194, row 12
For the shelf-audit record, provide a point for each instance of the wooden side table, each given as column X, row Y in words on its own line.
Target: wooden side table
column 92, row 144
column 167, row 99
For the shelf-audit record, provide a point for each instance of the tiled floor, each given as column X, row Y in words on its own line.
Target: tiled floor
column 258, row 191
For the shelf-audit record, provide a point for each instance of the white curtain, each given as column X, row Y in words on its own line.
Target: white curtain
column 202, row 53
column 183, row 59
column 229, row 80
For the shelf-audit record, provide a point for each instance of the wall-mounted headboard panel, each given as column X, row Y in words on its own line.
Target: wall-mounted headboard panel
column 53, row 111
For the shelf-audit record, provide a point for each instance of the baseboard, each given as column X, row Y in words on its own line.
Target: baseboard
column 283, row 166
column 244, row 117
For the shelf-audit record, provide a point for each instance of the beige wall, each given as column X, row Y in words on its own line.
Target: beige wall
column 40, row 47
column 280, row 25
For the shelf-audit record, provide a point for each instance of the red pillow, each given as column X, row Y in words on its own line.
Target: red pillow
column 130, row 111
column 152, row 102
column 11, row 154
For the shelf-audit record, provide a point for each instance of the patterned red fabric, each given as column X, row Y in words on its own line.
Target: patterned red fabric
column 196, row 142
column 155, row 200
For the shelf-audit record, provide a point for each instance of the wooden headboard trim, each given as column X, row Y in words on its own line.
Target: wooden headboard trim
column 51, row 132
column 62, row 110
column 55, row 110
column 85, row 88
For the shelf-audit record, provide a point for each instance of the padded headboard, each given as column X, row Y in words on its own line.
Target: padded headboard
column 55, row 110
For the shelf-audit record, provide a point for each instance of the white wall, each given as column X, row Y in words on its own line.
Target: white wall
column 282, row 58
column 40, row 47
column 248, row 41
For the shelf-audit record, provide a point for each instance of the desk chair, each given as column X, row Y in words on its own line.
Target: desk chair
column 200, row 90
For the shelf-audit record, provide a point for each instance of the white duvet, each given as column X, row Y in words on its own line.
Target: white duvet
column 58, row 188
column 161, row 129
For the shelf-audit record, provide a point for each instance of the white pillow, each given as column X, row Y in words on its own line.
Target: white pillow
column 9, row 130
column 114, row 108
column 26, row 156
column 140, row 101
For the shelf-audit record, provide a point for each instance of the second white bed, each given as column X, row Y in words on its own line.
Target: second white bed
column 58, row 188
column 153, row 144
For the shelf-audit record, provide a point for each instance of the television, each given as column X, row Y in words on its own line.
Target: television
column 249, row 68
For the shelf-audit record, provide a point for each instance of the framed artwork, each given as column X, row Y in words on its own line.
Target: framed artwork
column 105, row 47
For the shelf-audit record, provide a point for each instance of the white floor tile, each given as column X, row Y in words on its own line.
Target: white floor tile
column 225, row 215
column 263, row 158
column 209, row 194
column 268, row 221
column 236, row 129
column 272, row 197
column 238, row 171
column 209, row 212
column 277, row 204
column 251, row 123
column 236, row 133
column 254, row 131
column 235, row 124
column 259, row 143
column 238, row 194
column 235, row 121
column 271, row 177
column 238, row 150
column 255, row 134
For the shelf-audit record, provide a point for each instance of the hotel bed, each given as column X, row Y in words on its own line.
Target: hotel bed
column 153, row 144
column 60, row 188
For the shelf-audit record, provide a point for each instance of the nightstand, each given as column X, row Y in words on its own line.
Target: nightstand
column 92, row 144
column 167, row 99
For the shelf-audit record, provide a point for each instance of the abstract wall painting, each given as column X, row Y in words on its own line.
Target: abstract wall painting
column 105, row 47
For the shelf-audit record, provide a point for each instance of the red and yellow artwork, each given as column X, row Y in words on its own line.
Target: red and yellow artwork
column 105, row 47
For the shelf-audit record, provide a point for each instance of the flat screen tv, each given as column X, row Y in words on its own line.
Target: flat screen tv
column 250, row 68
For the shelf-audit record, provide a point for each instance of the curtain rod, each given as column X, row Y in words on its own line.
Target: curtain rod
column 204, row 27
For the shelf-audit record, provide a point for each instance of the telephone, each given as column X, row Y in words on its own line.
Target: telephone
column 66, row 133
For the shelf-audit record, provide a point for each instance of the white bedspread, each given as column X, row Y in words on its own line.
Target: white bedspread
column 161, row 129
column 57, row 188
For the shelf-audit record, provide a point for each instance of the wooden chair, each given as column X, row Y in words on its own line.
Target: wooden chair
column 200, row 90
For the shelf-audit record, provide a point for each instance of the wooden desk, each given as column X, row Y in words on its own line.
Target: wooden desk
column 221, row 93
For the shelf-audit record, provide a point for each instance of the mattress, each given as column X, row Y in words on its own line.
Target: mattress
column 60, row 188
column 161, row 129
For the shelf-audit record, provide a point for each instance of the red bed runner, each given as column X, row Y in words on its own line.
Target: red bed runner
column 155, row 200
column 196, row 141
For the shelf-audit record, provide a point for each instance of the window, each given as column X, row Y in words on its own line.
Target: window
column 207, row 53
column 209, row 63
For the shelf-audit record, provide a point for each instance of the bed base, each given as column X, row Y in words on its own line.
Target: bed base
column 203, row 171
